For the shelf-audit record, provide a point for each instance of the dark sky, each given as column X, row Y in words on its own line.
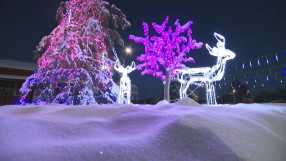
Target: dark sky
column 252, row 27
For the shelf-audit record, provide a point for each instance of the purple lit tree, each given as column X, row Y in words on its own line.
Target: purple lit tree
column 166, row 52
column 74, row 61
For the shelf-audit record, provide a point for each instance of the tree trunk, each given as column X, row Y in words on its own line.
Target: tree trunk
column 167, row 86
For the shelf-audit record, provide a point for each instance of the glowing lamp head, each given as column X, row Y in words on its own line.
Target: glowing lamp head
column 128, row 50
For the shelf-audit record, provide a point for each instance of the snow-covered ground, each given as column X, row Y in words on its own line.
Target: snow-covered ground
column 183, row 131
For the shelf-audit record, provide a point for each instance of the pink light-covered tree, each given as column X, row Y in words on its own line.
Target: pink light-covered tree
column 75, row 65
column 166, row 52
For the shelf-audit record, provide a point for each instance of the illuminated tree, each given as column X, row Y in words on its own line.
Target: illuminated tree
column 166, row 52
column 74, row 65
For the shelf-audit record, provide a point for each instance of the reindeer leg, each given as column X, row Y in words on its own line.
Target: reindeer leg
column 213, row 94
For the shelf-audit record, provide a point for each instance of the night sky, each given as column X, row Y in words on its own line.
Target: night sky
column 252, row 28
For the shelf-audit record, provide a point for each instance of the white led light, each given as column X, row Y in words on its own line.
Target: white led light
column 125, row 83
column 206, row 75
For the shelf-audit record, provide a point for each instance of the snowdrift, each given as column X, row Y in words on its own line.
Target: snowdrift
column 183, row 131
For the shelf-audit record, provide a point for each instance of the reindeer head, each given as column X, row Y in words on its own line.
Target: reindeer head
column 219, row 50
column 220, row 40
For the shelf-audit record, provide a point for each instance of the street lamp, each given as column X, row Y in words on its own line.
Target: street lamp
column 128, row 50
column 233, row 91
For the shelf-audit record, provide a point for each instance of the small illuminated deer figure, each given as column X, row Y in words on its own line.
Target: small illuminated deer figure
column 206, row 75
column 125, row 83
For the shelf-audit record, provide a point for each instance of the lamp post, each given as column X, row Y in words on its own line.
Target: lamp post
column 233, row 91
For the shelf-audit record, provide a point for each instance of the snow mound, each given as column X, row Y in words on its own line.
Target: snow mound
column 187, row 102
column 165, row 132
column 163, row 102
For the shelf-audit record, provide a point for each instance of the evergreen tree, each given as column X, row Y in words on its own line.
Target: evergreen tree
column 74, row 64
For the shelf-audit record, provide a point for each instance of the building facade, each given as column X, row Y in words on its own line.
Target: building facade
column 12, row 76
column 134, row 93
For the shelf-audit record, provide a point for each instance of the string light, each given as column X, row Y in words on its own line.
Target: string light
column 258, row 61
column 271, row 73
column 125, row 83
column 207, row 75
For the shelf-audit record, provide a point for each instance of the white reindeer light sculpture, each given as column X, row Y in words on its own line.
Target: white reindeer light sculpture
column 125, row 83
column 206, row 75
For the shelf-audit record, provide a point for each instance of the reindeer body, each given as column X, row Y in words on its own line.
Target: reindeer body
column 125, row 83
column 206, row 75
